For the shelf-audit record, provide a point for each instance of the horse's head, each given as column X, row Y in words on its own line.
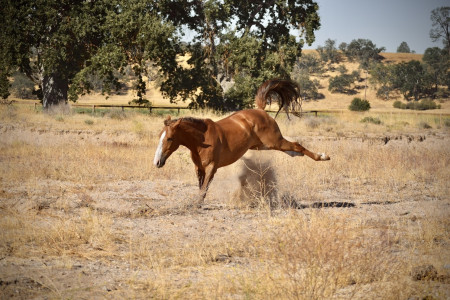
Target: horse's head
column 168, row 142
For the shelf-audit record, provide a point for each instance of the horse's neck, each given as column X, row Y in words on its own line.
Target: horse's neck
column 193, row 134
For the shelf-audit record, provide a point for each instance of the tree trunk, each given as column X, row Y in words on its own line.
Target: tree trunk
column 54, row 89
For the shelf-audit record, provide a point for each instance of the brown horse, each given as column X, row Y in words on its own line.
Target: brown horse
column 217, row 144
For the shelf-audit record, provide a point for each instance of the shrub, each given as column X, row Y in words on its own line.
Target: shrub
column 312, row 122
column 116, row 114
column 399, row 104
column 424, row 104
column 424, row 125
column 371, row 120
column 447, row 122
column 359, row 105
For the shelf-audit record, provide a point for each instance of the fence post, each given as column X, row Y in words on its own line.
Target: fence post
column 123, row 108
column 93, row 109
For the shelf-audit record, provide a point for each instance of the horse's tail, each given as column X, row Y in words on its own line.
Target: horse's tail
column 285, row 92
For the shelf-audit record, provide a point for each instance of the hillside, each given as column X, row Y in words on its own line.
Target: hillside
column 332, row 101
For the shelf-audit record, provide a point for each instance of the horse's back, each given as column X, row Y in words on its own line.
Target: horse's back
column 248, row 117
column 258, row 125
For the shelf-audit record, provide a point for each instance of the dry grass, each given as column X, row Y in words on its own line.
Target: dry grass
column 83, row 214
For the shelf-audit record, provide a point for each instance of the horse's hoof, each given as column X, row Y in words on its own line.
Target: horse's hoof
column 323, row 156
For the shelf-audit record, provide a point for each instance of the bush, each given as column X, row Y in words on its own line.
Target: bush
column 447, row 122
column 116, row 114
column 359, row 105
column 312, row 122
column 424, row 104
column 424, row 125
column 399, row 104
column 371, row 120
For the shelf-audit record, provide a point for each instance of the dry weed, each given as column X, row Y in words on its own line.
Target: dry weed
column 62, row 184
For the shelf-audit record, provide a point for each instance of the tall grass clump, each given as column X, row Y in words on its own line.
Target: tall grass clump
column 315, row 255
column 116, row 114
column 371, row 120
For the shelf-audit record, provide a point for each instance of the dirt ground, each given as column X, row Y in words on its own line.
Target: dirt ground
column 136, row 236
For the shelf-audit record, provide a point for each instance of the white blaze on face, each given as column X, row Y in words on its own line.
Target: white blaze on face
column 158, row 152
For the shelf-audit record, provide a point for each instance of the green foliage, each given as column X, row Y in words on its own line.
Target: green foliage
column 440, row 18
column 4, row 84
column 412, row 79
column 329, row 53
column 437, row 64
column 362, row 50
column 403, row 48
column 423, row 104
column 399, row 104
column 308, row 64
column 233, row 42
column 359, row 104
column 309, row 89
column 371, row 120
column 22, row 86
column 140, row 90
column 382, row 76
column 92, row 43
column 343, row 83
column 242, row 94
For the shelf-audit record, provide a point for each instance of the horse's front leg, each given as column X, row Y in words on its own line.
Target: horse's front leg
column 209, row 173
column 200, row 176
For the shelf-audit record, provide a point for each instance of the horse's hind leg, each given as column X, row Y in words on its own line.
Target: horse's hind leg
column 294, row 149
column 271, row 138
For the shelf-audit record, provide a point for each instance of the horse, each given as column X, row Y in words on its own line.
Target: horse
column 214, row 145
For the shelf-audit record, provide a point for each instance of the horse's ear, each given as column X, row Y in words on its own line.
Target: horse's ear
column 167, row 121
column 177, row 123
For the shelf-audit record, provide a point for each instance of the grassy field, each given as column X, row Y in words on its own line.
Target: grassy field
column 85, row 215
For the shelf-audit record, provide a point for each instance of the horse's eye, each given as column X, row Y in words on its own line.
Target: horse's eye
column 169, row 139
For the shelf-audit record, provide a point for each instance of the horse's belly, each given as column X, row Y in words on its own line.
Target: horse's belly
column 229, row 155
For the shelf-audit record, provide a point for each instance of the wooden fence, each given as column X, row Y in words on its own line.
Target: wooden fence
column 36, row 103
column 150, row 108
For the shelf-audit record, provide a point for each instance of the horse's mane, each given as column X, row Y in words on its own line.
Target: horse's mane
column 285, row 92
column 194, row 127
column 200, row 123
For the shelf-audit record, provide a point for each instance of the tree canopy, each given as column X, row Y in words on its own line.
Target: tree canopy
column 440, row 27
column 61, row 44
column 403, row 48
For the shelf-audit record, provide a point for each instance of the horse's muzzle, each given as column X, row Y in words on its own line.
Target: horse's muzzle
column 161, row 162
